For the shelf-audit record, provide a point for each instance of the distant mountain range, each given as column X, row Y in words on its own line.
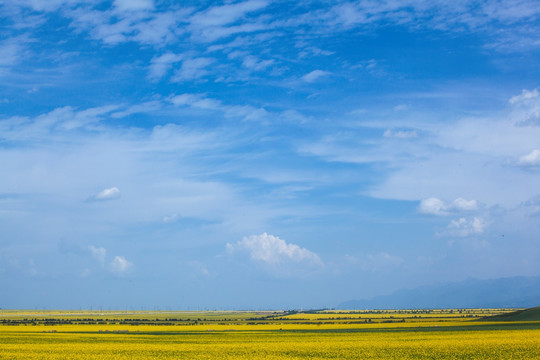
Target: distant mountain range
column 511, row 292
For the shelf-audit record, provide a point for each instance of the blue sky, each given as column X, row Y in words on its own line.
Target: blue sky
column 264, row 154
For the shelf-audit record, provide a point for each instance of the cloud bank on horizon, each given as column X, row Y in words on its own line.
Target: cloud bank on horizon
column 279, row 154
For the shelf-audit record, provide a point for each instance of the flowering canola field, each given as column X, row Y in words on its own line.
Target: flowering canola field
column 263, row 335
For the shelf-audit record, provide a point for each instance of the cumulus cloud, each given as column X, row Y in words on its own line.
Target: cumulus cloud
column 433, row 206
column 436, row 206
column 315, row 75
column 106, row 194
column 99, row 254
column 466, row 227
column 119, row 265
column 461, row 204
column 272, row 250
column 531, row 159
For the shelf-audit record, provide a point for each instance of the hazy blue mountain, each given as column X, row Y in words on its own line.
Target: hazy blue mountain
column 519, row 291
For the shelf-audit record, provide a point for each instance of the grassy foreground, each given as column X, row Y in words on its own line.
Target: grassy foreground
column 441, row 334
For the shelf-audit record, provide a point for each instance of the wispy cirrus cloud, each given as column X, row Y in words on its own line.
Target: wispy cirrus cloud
column 526, row 107
column 200, row 101
column 315, row 75
column 62, row 119
column 11, row 52
column 112, row 193
column 130, row 22
column 221, row 21
column 193, row 69
column 400, row 134
column 133, row 5
column 160, row 65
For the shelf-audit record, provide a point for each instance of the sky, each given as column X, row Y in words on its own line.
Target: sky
column 264, row 154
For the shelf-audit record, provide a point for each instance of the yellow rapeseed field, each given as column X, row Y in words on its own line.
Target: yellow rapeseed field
column 253, row 336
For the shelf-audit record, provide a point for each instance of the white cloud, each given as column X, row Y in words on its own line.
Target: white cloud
column 11, row 51
column 119, row 265
column 272, row 250
column 435, row 206
column 87, row 117
column 254, row 63
column 461, row 204
column 463, row 227
column 98, row 254
column 531, row 159
column 193, row 69
column 526, row 95
column 186, row 99
column 400, row 134
column 130, row 21
column 453, row 16
column 458, row 158
column 309, row 50
column 526, row 107
column 161, row 64
column 315, row 75
column 106, row 194
column 199, row 101
column 145, row 107
column 226, row 14
column 68, row 118
column 218, row 21
column 294, row 116
column 246, row 113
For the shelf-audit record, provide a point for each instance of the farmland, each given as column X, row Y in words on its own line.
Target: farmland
column 324, row 334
